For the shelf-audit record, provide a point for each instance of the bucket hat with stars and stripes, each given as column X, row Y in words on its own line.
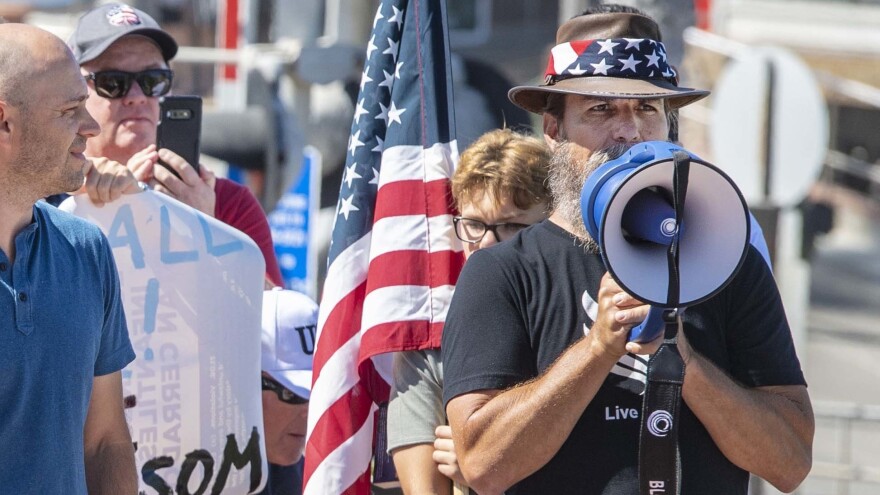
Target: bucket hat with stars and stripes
column 610, row 55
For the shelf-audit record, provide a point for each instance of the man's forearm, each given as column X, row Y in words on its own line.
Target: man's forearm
column 516, row 432
column 110, row 470
column 766, row 431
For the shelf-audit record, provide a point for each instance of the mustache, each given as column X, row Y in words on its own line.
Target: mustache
column 79, row 142
column 569, row 168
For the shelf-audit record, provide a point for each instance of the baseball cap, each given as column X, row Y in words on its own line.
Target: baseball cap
column 290, row 320
column 100, row 27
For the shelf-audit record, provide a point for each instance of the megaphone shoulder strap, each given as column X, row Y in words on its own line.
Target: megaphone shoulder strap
column 659, row 460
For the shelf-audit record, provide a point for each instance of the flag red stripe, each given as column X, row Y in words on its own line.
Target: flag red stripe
column 385, row 271
column 361, row 486
column 342, row 324
column 336, row 425
column 414, row 197
column 401, row 335
column 390, row 269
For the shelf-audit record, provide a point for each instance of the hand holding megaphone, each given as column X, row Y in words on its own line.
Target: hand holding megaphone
column 672, row 229
column 617, row 313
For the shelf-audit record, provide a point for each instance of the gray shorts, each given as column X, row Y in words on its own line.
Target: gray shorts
column 415, row 408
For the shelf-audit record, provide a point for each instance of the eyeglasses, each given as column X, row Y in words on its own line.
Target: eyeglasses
column 472, row 231
column 116, row 83
column 284, row 395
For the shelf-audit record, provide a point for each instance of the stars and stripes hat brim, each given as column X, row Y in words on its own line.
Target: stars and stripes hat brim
column 100, row 27
column 613, row 55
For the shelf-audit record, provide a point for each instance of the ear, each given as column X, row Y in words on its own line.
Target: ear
column 551, row 131
column 6, row 114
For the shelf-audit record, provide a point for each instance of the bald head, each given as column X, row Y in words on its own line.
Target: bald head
column 25, row 53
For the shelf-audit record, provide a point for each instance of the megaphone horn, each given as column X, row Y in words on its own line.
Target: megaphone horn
column 672, row 229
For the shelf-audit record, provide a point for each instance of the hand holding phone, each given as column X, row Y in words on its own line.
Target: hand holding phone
column 179, row 129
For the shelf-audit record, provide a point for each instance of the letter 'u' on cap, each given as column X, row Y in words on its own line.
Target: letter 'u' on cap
column 290, row 321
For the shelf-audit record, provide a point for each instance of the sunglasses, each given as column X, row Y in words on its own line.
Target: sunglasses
column 116, row 83
column 283, row 394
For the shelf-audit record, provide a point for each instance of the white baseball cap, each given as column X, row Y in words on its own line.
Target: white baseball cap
column 290, row 320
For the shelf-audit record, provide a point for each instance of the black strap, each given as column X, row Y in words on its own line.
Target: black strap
column 680, row 176
column 659, row 461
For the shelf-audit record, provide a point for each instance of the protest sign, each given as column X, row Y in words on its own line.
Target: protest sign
column 192, row 289
column 293, row 227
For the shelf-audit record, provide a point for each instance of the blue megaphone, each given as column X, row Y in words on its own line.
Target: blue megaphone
column 629, row 207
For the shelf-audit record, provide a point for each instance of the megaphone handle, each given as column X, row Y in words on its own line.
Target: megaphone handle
column 649, row 329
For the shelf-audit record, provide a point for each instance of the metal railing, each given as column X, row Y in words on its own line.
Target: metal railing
column 855, row 174
column 845, row 419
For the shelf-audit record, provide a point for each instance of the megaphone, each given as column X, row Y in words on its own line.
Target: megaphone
column 672, row 229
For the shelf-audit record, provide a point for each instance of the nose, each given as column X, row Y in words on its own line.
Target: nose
column 490, row 239
column 135, row 94
column 89, row 127
column 626, row 128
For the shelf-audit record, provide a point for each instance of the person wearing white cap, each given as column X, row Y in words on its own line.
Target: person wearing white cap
column 290, row 319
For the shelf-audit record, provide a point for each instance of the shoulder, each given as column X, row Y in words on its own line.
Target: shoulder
column 226, row 189
column 539, row 249
column 73, row 228
column 237, row 206
column 539, row 240
column 754, row 269
column 227, row 186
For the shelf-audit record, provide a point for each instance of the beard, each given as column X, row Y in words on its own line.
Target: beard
column 568, row 169
column 41, row 169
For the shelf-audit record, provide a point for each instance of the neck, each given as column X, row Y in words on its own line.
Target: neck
column 15, row 215
column 560, row 220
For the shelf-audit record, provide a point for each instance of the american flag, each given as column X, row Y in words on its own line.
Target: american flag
column 394, row 257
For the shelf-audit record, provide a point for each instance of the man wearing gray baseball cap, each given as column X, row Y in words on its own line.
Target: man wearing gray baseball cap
column 124, row 55
column 101, row 27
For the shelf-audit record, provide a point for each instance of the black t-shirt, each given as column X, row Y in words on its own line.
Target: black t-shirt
column 520, row 304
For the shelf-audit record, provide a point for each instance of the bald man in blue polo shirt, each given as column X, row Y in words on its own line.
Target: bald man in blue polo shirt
column 63, row 338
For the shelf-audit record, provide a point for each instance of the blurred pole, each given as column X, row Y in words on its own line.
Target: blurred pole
column 348, row 21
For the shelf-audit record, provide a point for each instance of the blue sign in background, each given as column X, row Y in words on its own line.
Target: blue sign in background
column 291, row 223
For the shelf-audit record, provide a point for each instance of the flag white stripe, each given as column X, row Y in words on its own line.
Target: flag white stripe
column 348, row 270
column 406, row 303
column 346, row 463
column 411, row 232
column 383, row 364
column 563, row 56
column 337, row 377
column 416, row 163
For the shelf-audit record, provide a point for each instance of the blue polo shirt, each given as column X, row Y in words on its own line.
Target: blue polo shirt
column 61, row 324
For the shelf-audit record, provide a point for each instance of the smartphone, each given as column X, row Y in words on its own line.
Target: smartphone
column 180, row 127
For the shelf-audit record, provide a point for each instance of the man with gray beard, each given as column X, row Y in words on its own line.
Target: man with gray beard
column 566, row 179
column 543, row 391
